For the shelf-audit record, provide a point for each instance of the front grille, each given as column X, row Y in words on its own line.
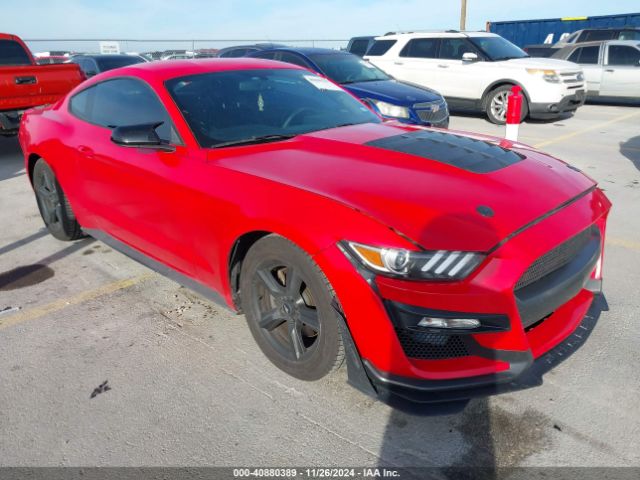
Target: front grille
column 555, row 259
column 431, row 111
column 430, row 346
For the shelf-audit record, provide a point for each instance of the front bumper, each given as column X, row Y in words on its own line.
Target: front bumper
column 524, row 371
column 525, row 322
column 569, row 103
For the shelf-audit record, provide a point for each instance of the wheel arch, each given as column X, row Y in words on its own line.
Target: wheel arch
column 500, row 83
column 31, row 164
column 237, row 253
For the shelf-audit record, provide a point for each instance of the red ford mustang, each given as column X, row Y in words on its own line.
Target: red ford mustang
column 440, row 265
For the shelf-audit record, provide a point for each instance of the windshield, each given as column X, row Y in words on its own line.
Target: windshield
column 233, row 106
column 497, row 48
column 116, row 62
column 342, row 68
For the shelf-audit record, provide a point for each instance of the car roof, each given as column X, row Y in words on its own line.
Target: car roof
column 595, row 43
column 435, row 34
column 166, row 70
column 308, row 50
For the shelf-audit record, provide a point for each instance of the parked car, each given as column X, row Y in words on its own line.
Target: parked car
column 244, row 50
column 389, row 97
column 476, row 70
column 179, row 56
column 359, row 45
column 582, row 36
column 52, row 59
column 24, row 84
column 611, row 68
column 429, row 260
column 94, row 64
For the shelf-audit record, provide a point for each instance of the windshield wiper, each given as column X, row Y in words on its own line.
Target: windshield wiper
column 254, row 140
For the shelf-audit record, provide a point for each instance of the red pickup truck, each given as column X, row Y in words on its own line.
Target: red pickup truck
column 24, row 84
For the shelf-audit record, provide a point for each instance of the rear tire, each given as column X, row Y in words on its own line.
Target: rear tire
column 290, row 309
column 53, row 204
column 496, row 105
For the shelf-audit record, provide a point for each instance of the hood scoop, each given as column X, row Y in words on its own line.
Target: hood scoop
column 477, row 156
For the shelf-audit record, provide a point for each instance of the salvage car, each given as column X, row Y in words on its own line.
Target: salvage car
column 428, row 260
column 389, row 97
column 611, row 68
column 475, row 71
column 25, row 84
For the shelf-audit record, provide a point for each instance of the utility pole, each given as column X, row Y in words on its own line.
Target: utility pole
column 463, row 15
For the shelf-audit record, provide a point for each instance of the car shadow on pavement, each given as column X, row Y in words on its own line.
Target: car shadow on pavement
column 39, row 271
column 484, row 438
column 11, row 161
column 631, row 150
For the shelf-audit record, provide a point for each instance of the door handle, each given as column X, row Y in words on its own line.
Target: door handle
column 86, row 151
column 25, row 80
column 609, row 70
column 398, row 63
column 443, row 66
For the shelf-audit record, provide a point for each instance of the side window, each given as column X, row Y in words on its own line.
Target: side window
column 81, row 104
column 265, row 55
column 575, row 56
column 359, row 47
column 454, row 48
column 621, row 55
column 236, row 52
column 122, row 102
column 380, row 47
column 629, row 35
column 421, row 48
column 293, row 58
column 600, row 35
column 585, row 55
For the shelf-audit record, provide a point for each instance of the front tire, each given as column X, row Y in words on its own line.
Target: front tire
column 291, row 309
column 496, row 105
column 53, row 204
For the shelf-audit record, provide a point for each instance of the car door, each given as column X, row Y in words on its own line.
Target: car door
column 418, row 63
column 590, row 60
column 138, row 196
column 621, row 75
column 464, row 79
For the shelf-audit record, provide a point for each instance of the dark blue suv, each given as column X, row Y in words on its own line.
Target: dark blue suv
column 389, row 97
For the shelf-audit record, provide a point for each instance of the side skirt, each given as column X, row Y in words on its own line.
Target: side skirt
column 160, row 268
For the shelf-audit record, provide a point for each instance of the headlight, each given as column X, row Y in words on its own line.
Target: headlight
column 390, row 110
column 550, row 76
column 426, row 265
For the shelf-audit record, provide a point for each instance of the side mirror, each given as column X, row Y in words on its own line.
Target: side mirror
column 140, row 136
column 469, row 57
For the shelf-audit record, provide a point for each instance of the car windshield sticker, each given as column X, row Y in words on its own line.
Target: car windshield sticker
column 322, row 83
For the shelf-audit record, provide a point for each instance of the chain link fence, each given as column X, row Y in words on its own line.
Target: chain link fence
column 40, row 45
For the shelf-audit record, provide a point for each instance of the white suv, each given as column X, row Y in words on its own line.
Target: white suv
column 476, row 70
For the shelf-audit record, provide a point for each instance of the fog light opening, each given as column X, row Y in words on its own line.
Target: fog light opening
column 459, row 323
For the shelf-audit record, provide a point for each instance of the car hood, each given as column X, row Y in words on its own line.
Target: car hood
column 392, row 91
column 457, row 202
column 543, row 63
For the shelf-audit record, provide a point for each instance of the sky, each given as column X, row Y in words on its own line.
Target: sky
column 269, row 19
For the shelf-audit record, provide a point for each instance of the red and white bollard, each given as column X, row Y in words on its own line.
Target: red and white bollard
column 514, row 112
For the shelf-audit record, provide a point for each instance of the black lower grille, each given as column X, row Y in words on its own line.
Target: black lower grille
column 556, row 258
column 430, row 346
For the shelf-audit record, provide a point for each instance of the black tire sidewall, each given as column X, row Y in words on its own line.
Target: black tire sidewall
column 67, row 228
column 327, row 354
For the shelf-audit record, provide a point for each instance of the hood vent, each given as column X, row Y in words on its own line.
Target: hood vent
column 477, row 156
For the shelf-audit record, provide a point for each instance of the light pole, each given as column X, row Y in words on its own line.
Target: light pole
column 463, row 15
